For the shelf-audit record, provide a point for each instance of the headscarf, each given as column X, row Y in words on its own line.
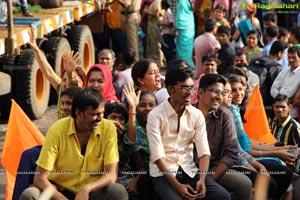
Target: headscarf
column 108, row 90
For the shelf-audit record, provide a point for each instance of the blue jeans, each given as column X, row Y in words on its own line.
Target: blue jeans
column 167, row 192
column 24, row 5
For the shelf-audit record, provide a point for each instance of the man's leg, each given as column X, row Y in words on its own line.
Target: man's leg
column 131, row 27
column 113, row 191
column 24, row 8
column 215, row 191
column 238, row 183
column 164, row 190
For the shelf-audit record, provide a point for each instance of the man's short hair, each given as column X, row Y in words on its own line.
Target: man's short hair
column 209, row 57
column 223, row 30
column 85, row 98
column 103, row 51
column 240, row 53
column 177, row 62
column 241, row 65
column 294, row 49
column 278, row 46
column 178, row 74
column 282, row 97
column 128, row 56
column 71, row 92
column 209, row 24
column 210, row 79
column 272, row 31
column 116, row 107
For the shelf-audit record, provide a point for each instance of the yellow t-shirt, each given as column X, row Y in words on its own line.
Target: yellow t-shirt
column 62, row 157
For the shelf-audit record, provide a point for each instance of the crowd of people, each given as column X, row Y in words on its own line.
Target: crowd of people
column 125, row 131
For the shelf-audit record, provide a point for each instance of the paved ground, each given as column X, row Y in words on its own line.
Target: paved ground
column 42, row 124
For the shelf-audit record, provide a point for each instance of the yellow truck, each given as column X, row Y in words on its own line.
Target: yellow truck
column 58, row 31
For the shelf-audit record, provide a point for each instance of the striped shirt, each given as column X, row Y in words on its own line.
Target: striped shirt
column 288, row 132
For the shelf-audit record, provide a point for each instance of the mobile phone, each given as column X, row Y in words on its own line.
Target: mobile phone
column 294, row 151
column 279, row 144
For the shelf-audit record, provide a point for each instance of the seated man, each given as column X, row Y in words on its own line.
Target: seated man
column 172, row 128
column 284, row 128
column 30, row 156
column 222, row 137
column 75, row 159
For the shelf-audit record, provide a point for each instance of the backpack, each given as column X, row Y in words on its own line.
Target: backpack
column 267, row 70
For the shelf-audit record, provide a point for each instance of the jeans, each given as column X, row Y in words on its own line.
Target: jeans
column 237, row 183
column 167, row 192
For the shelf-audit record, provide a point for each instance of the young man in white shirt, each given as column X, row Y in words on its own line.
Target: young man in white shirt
column 172, row 128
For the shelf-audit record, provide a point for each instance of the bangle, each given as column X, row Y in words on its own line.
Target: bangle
column 131, row 113
column 260, row 153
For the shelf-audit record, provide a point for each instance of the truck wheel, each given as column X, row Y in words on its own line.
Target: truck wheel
column 7, row 65
column 32, row 90
column 81, row 39
column 55, row 49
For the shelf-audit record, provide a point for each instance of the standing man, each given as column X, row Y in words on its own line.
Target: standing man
column 205, row 44
column 172, row 128
column 131, row 19
column 222, row 137
column 287, row 82
column 80, row 154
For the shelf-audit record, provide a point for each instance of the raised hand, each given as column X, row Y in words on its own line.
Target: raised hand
column 131, row 97
column 70, row 63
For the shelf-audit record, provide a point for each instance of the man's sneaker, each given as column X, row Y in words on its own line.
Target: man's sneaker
column 27, row 14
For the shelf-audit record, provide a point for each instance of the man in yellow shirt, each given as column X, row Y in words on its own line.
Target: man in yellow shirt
column 80, row 154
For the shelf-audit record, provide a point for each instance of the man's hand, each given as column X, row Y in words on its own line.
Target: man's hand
column 285, row 155
column 82, row 194
column 132, row 186
column 186, row 191
column 201, row 188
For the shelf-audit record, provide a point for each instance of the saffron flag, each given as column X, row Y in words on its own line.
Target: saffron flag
column 256, row 126
column 21, row 134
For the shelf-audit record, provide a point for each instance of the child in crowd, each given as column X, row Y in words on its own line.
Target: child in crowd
column 219, row 14
column 139, row 106
column 226, row 53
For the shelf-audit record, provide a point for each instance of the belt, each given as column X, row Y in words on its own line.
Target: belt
column 128, row 13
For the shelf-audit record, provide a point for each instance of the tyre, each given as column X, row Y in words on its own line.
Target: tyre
column 7, row 65
column 31, row 89
column 81, row 39
column 55, row 49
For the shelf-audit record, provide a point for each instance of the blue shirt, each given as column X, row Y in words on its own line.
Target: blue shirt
column 241, row 133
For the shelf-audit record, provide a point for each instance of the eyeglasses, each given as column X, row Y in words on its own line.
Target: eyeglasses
column 185, row 88
column 100, row 81
column 216, row 91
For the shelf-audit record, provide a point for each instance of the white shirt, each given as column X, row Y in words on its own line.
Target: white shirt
column 287, row 82
column 176, row 147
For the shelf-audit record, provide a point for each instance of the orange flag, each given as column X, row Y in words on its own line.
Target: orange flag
column 256, row 126
column 21, row 134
